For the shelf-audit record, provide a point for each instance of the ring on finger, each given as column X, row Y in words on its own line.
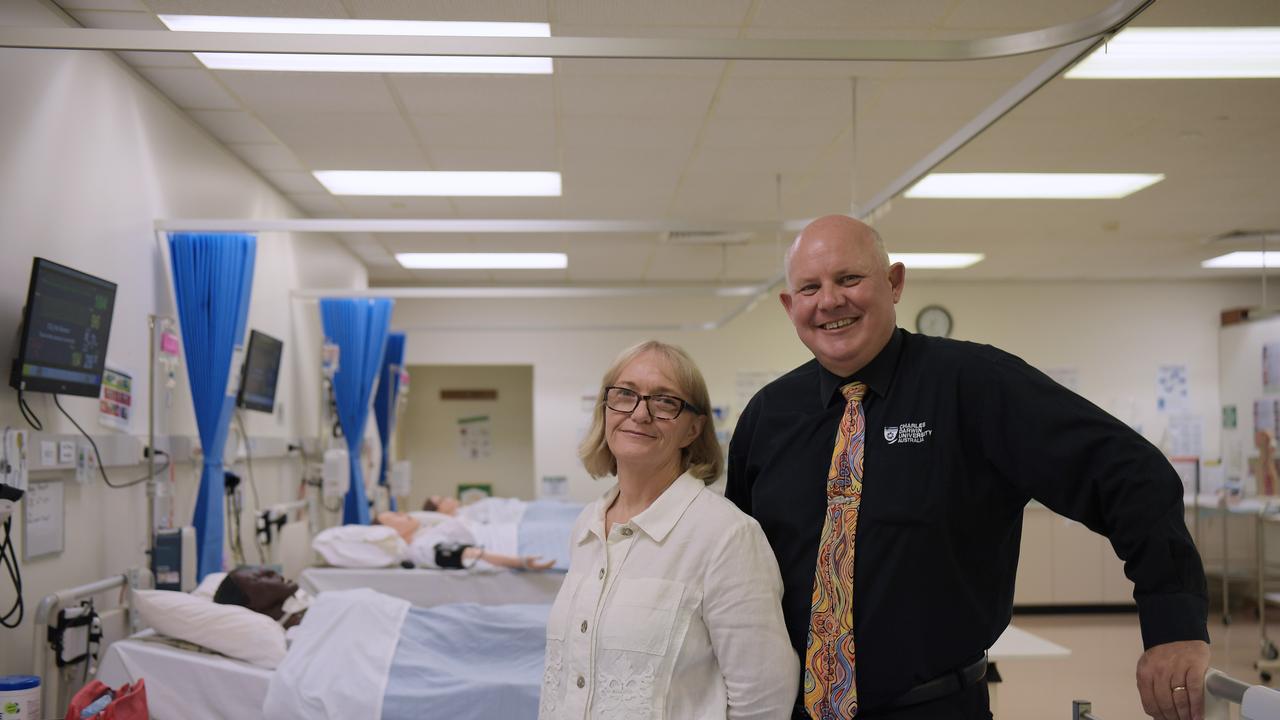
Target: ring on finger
column 1180, row 688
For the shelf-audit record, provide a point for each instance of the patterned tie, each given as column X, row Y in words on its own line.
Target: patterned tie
column 829, row 689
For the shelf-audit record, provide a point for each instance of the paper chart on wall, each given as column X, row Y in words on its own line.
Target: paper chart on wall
column 1271, row 368
column 1172, row 389
column 474, row 438
column 115, row 400
column 1184, row 435
column 749, row 382
column 42, row 530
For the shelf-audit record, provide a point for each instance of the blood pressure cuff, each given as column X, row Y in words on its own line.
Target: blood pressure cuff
column 449, row 555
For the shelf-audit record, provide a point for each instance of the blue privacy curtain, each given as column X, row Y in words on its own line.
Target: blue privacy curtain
column 358, row 326
column 384, row 402
column 212, row 277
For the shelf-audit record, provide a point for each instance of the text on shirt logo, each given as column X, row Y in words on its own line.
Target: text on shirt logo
column 907, row 433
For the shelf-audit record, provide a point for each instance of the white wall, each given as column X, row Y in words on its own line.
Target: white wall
column 1115, row 334
column 91, row 156
column 428, row 430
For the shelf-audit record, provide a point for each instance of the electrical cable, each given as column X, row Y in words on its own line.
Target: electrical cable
column 98, row 456
column 12, row 617
column 257, row 503
column 28, row 414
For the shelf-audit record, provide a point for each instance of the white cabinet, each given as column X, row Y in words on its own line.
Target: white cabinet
column 1065, row 563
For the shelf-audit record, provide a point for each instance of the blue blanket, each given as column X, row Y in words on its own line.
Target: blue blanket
column 468, row 661
column 545, row 530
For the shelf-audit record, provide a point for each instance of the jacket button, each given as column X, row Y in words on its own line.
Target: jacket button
column 626, row 532
column 582, row 682
column 601, row 573
column 583, row 628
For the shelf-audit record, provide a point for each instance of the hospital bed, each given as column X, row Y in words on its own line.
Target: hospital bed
column 542, row 530
column 361, row 656
column 430, row 668
column 429, row 588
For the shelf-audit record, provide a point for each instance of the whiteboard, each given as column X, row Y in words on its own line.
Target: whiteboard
column 43, row 532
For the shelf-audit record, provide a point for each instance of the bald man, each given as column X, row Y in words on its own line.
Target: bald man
column 920, row 454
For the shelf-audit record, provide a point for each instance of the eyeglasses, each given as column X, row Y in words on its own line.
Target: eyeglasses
column 661, row 407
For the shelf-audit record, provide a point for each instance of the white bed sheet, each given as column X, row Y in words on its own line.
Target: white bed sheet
column 428, row 588
column 182, row 684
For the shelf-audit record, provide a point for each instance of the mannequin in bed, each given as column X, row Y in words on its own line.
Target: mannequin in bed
column 485, row 511
column 448, row 543
column 265, row 591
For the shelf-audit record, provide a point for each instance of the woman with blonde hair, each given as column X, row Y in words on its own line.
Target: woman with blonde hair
column 672, row 604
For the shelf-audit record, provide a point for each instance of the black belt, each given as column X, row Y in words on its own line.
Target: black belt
column 939, row 687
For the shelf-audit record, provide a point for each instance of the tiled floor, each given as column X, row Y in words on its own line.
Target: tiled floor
column 1103, row 660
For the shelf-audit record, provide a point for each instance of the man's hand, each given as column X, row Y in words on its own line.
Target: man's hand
column 1171, row 680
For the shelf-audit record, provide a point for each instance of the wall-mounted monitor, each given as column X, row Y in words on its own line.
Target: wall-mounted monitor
column 65, row 328
column 260, row 372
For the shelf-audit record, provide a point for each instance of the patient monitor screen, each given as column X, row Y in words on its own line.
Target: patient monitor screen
column 261, row 371
column 64, row 331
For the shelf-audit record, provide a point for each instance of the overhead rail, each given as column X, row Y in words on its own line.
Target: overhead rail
column 1108, row 20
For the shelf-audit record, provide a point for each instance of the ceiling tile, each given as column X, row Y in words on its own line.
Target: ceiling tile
column 233, row 126
column 477, row 130
column 672, row 13
column 193, row 89
column 293, row 182
column 252, row 8
column 125, row 5
column 637, row 96
column 268, row 93
column 160, row 59
column 116, row 20
column 352, row 129
column 268, row 157
column 319, row 204
column 475, row 10
column 501, row 95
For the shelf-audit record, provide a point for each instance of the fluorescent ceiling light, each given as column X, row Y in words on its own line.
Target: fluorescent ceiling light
column 441, row 184
column 936, row 261
column 484, row 261
column 364, row 63
column 1244, row 259
column 285, row 62
column 1185, row 52
column 1062, row 186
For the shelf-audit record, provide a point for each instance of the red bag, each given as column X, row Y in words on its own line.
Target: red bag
column 130, row 702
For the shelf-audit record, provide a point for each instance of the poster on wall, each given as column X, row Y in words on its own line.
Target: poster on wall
column 1172, row 392
column 115, row 399
column 749, row 383
column 474, row 438
column 1271, row 368
column 1266, row 415
column 474, row 492
column 1184, row 435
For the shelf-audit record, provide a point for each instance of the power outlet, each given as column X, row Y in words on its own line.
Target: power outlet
column 66, row 452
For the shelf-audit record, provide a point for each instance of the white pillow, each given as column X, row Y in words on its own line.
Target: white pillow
column 359, row 546
column 208, row 587
column 231, row 630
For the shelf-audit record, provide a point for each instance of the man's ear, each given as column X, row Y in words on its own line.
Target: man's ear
column 897, row 279
column 786, row 301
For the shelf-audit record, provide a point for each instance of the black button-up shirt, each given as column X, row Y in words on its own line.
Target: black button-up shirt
column 959, row 437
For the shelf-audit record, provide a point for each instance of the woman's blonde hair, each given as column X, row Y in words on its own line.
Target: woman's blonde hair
column 702, row 458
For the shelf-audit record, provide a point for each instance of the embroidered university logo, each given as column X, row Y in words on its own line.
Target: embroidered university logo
column 907, row 433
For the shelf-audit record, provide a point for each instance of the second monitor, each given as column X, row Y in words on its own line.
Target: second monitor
column 260, row 373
